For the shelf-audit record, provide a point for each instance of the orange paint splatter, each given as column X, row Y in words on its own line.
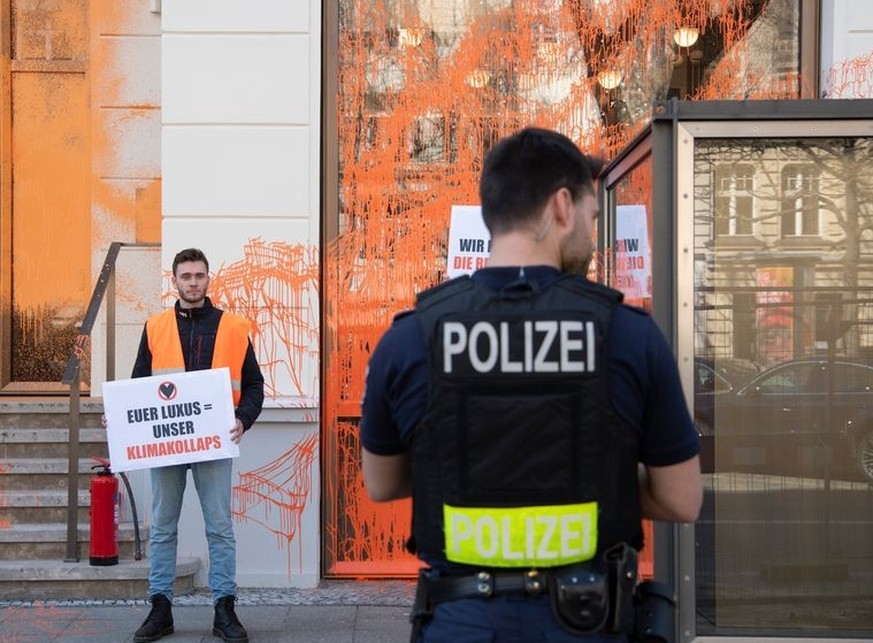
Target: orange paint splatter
column 72, row 189
column 47, row 167
column 43, row 622
column 851, row 78
column 422, row 97
column 275, row 495
column 275, row 287
column 361, row 529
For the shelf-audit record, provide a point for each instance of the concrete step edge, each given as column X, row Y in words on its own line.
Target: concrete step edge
column 58, row 570
column 50, row 405
column 56, row 532
column 42, row 498
column 19, row 466
column 49, row 436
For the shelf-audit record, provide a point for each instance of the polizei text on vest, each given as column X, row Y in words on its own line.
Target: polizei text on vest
column 518, row 346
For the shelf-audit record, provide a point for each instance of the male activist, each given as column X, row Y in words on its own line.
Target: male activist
column 533, row 418
column 195, row 335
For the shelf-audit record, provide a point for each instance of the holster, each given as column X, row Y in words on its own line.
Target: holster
column 622, row 563
column 422, row 608
column 655, row 607
column 587, row 599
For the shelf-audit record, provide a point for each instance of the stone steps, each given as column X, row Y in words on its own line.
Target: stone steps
column 58, row 580
column 41, row 506
column 34, row 541
column 33, row 510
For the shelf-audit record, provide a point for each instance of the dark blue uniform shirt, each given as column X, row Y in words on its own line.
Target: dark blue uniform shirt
column 643, row 380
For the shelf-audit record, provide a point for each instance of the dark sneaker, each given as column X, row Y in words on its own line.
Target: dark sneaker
column 226, row 624
column 158, row 623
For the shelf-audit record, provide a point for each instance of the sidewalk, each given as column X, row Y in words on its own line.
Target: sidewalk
column 335, row 612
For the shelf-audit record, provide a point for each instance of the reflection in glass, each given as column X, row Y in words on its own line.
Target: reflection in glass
column 783, row 393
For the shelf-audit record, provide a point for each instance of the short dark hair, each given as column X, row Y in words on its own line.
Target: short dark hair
column 522, row 171
column 189, row 254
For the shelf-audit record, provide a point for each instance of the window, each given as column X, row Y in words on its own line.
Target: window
column 800, row 201
column 804, row 378
column 708, row 381
column 852, row 378
column 733, row 199
column 828, row 316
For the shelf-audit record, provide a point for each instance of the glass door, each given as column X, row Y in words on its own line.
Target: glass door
column 626, row 265
column 777, row 313
column 45, row 213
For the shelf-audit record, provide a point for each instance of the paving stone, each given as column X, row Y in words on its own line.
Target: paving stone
column 334, row 612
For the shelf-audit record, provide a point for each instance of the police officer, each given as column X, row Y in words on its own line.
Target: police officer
column 532, row 417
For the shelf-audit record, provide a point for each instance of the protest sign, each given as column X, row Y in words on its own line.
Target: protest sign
column 469, row 241
column 633, row 269
column 169, row 419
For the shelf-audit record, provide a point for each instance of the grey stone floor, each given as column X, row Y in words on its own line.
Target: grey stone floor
column 335, row 612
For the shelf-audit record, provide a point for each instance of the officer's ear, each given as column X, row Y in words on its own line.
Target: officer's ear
column 561, row 204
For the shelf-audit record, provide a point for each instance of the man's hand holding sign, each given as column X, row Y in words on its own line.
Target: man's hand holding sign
column 171, row 419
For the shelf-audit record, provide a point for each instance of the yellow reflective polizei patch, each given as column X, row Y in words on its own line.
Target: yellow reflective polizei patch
column 542, row 536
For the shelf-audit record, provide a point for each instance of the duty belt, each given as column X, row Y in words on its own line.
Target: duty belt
column 589, row 597
column 585, row 598
column 485, row 584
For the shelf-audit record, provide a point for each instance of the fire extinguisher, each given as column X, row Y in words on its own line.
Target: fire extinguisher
column 104, row 515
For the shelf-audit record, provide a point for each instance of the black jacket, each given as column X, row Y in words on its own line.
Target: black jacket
column 197, row 330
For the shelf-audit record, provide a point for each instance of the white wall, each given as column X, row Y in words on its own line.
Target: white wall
column 126, row 167
column 240, row 88
column 846, row 36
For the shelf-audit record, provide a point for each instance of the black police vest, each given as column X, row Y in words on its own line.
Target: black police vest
column 519, row 459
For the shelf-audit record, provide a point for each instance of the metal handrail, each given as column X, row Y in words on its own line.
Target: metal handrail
column 72, row 375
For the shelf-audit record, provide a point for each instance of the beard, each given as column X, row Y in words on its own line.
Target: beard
column 577, row 266
column 576, row 258
column 193, row 297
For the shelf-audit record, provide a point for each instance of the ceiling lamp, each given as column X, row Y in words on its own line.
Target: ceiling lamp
column 685, row 36
column 609, row 79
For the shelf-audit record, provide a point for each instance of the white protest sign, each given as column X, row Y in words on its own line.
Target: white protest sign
column 469, row 241
column 169, row 419
column 633, row 268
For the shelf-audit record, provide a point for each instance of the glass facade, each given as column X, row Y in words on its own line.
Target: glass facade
column 763, row 280
column 783, row 384
column 423, row 89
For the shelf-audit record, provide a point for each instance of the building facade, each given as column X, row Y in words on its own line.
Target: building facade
column 314, row 151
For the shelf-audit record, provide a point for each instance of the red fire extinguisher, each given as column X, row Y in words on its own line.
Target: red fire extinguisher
column 104, row 515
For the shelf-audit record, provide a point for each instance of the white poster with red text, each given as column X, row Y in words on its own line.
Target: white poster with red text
column 469, row 241
column 633, row 265
column 169, row 419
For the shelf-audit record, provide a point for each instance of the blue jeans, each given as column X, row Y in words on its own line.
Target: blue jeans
column 213, row 481
column 503, row 619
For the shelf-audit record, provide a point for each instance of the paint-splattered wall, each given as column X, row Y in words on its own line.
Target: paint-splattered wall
column 240, row 176
column 425, row 88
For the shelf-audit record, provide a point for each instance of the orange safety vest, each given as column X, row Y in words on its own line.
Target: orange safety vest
column 231, row 344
